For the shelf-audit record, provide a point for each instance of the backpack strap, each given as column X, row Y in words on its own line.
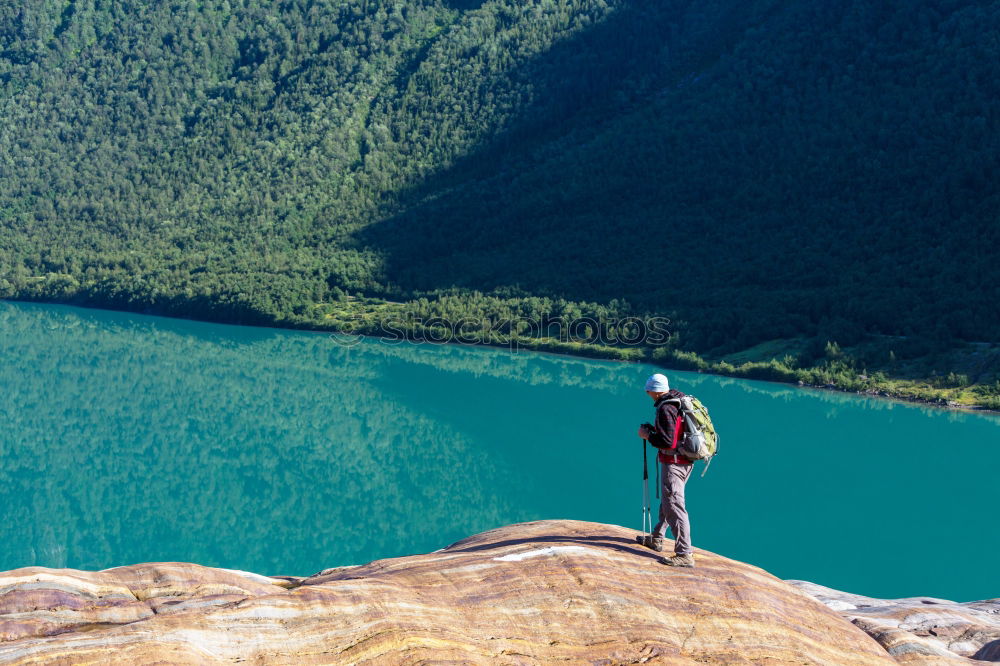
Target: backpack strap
column 678, row 426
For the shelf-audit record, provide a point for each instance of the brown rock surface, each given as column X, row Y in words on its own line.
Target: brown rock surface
column 920, row 629
column 545, row 592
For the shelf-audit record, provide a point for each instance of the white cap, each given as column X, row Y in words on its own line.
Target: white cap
column 657, row 383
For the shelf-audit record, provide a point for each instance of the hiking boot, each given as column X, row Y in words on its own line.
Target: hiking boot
column 678, row 560
column 650, row 541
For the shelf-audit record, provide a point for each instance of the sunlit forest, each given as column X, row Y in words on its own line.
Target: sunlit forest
column 820, row 174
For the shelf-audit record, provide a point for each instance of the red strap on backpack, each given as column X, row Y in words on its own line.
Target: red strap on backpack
column 671, row 456
column 675, row 458
column 678, row 426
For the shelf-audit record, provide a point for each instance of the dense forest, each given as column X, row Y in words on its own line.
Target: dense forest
column 820, row 173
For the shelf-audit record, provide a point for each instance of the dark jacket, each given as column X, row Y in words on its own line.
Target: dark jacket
column 668, row 429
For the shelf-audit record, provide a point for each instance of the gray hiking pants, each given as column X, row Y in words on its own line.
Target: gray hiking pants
column 673, row 513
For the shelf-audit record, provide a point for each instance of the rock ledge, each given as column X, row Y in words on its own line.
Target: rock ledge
column 543, row 592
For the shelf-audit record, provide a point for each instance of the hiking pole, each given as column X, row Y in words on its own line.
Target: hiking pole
column 647, row 517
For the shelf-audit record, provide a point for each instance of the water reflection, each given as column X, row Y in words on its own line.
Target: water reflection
column 128, row 440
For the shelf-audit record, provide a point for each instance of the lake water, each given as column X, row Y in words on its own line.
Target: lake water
column 128, row 438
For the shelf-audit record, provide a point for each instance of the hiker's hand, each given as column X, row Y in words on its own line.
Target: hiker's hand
column 644, row 431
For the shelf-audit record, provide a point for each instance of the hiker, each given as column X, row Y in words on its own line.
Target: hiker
column 674, row 472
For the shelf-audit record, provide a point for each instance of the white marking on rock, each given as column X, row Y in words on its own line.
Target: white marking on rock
column 251, row 576
column 540, row 552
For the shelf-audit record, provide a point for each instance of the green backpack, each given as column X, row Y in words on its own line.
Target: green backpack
column 700, row 441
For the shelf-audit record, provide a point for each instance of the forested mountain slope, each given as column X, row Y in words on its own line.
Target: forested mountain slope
column 757, row 169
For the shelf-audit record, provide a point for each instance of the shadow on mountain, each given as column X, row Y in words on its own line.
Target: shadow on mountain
column 725, row 162
column 538, row 204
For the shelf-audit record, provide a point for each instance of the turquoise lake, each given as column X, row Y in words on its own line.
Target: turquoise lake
column 127, row 438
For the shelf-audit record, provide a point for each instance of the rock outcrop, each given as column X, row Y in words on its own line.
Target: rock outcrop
column 544, row 592
column 920, row 627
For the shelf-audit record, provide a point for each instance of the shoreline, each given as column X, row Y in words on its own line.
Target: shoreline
column 886, row 395
column 595, row 352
